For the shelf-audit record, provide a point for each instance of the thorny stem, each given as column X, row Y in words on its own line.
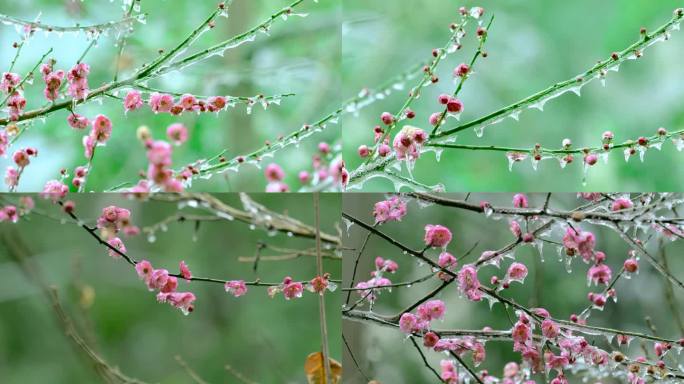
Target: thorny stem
column 16, row 55
column 105, row 88
column 85, row 52
column 467, row 368
column 35, row 25
column 422, row 357
column 93, row 232
column 351, row 354
column 476, row 55
column 121, row 41
column 596, row 70
column 492, row 293
column 561, row 151
column 26, row 77
column 417, row 90
column 380, row 165
column 89, row 166
column 228, row 43
column 356, row 265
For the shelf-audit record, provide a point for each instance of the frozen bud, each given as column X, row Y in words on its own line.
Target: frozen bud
column 590, row 159
column 481, row 31
column 520, row 200
column 430, row 339
column 304, row 177
column 274, row 172
column 461, row 70
column 615, row 56
column 387, row 118
column 662, row 131
column 528, row 238
column 643, row 141
column 567, row 143
column 363, row 151
column 324, row 148
column 143, row 134
column 476, row 12
column 444, row 98
column 384, row 150
column 599, row 300
column 631, row 265
column 435, row 118
column 410, row 114
column 517, row 272
column 69, row 206
column 608, row 136
column 679, row 12
column 621, row 203
column 454, row 105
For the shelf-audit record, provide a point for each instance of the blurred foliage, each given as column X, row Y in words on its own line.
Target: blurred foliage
column 385, row 354
column 532, row 45
column 267, row 340
column 300, row 56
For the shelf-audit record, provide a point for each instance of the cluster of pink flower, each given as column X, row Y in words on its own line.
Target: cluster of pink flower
column 12, row 213
column 236, row 288
column 21, row 158
column 408, row 142
column 392, row 209
column 572, row 348
column 54, row 190
column 113, row 220
column 516, row 272
column 158, row 172
column 290, row 289
column 368, row 289
column 425, row 314
column 100, row 132
column 468, row 283
column 324, row 170
column 9, row 84
column 53, row 80
column 459, row 346
column 160, row 280
column 274, row 175
column 78, row 81
column 165, row 103
column 453, row 105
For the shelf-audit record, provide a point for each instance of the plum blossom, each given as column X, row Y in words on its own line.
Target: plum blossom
column 468, row 283
column 236, row 288
column 133, row 100
column 578, row 241
column 408, row 142
column 185, row 271
column 392, row 209
column 54, row 190
column 386, row 265
column 437, row 236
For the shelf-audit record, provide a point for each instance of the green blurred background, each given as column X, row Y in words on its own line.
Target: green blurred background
column 265, row 339
column 301, row 56
column 385, row 354
column 532, row 44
